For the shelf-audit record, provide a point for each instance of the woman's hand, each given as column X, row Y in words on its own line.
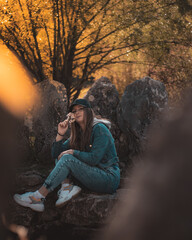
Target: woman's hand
column 62, row 127
column 70, row 151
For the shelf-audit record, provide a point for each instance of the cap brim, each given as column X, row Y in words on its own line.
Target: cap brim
column 71, row 107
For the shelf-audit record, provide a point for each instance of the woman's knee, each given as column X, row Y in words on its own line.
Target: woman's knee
column 67, row 158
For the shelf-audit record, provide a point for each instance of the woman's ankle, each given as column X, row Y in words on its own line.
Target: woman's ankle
column 37, row 194
column 43, row 191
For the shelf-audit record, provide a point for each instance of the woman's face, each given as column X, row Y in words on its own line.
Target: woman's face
column 79, row 113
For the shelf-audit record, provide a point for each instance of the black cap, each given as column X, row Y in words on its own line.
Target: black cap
column 80, row 101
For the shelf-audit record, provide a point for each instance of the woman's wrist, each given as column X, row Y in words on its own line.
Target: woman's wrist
column 59, row 137
column 62, row 135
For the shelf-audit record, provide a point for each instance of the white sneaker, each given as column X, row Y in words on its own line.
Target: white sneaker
column 67, row 193
column 28, row 200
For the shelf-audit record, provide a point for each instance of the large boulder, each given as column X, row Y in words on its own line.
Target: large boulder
column 44, row 118
column 86, row 210
column 141, row 104
column 104, row 98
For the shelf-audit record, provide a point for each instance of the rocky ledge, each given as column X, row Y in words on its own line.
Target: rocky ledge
column 87, row 211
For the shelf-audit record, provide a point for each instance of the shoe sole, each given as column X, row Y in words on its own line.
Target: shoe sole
column 64, row 203
column 23, row 204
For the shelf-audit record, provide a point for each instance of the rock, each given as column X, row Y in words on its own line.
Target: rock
column 140, row 105
column 104, row 98
column 89, row 209
column 121, row 140
column 46, row 116
column 30, row 180
column 86, row 210
column 23, row 143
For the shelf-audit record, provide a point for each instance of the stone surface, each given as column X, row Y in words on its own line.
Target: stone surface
column 28, row 180
column 45, row 117
column 86, row 212
column 121, row 140
column 140, row 105
column 104, row 98
column 89, row 209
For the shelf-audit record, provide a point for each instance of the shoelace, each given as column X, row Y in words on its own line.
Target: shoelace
column 36, row 200
column 64, row 189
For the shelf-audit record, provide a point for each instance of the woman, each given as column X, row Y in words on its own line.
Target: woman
column 89, row 156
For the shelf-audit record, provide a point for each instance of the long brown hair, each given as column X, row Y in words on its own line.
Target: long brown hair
column 79, row 139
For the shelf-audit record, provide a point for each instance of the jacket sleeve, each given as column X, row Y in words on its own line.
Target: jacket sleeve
column 59, row 147
column 101, row 139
